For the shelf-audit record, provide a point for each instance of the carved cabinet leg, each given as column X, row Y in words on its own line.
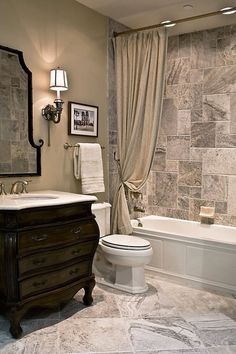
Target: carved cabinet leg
column 88, row 299
column 15, row 328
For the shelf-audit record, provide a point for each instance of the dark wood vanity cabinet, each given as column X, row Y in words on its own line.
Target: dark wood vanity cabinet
column 46, row 256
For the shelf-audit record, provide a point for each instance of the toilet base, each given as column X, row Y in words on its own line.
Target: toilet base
column 128, row 279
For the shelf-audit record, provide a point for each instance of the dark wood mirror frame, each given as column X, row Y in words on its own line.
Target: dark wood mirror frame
column 30, row 118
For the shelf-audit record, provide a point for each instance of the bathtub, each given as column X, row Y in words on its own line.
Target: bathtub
column 200, row 253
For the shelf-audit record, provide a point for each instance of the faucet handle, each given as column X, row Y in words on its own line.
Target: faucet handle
column 25, row 183
column 2, row 189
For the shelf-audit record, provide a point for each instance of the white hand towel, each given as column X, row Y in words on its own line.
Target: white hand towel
column 88, row 167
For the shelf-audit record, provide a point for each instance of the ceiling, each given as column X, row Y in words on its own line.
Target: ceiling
column 139, row 13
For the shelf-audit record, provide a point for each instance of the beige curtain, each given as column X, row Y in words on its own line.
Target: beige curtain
column 140, row 67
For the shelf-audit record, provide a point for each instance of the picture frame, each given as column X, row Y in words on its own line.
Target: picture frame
column 83, row 119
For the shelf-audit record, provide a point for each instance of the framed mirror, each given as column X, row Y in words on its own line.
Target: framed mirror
column 19, row 155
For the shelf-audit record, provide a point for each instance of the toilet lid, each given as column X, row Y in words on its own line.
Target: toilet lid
column 126, row 242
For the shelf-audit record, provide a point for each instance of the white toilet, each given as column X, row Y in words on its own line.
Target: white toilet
column 120, row 259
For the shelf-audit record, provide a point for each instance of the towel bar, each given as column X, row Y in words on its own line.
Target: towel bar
column 67, row 146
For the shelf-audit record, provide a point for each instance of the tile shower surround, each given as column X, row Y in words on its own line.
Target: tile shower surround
column 197, row 131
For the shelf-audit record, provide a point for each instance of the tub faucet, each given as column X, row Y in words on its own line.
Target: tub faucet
column 139, row 223
column 2, row 189
column 19, row 187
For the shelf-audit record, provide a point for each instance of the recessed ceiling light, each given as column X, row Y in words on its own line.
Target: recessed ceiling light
column 228, row 10
column 188, row 7
column 168, row 23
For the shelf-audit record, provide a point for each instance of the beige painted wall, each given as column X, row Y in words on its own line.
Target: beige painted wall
column 61, row 33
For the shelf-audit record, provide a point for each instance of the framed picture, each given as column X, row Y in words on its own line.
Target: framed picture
column 83, row 119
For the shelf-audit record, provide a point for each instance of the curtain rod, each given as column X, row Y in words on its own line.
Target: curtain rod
column 192, row 18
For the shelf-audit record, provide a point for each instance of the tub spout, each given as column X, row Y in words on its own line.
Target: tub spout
column 139, row 223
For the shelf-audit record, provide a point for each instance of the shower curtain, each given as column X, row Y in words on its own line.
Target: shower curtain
column 140, row 67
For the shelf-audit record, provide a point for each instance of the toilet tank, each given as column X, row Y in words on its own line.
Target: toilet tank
column 102, row 212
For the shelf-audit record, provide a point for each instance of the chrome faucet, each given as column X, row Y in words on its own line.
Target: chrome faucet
column 19, row 187
column 2, row 189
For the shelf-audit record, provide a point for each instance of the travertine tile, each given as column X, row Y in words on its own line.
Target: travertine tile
column 231, row 195
column 173, row 47
column 171, row 166
column 223, row 127
column 177, row 214
column 233, row 113
column 203, row 51
column 196, row 115
column 184, row 100
column 214, row 187
column 196, row 76
column 225, row 140
column 169, row 118
column 190, row 173
column 185, row 45
column 183, row 203
column 216, row 107
column 178, row 147
column 203, row 135
column 178, row 71
column 225, row 52
column 183, row 191
column 219, row 161
column 159, row 161
column 184, row 122
column 219, row 80
column 195, row 192
column 166, row 189
column 221, row 207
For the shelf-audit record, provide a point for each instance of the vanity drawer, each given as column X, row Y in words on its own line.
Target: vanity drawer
column 46, row 259
column 55, row 235
column 41, row 283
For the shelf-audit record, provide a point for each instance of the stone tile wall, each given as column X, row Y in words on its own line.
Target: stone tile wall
column 195, row 158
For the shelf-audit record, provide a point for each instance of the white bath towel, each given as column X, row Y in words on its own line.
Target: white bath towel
column 88, row 167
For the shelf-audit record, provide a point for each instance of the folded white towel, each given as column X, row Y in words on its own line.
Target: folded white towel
column 88, row 167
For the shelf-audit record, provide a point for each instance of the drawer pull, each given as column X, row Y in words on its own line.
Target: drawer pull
column 76, row 251
column 39, row 283
column 40, row 237
column 76, row 230
column 39, row 261
column 74, row 271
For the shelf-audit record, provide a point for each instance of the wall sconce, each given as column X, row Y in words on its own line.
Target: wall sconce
column 58, row 82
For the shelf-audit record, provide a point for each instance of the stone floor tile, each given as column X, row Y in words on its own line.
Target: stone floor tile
column 171, row 333
column 86, row 335
column 104, row 305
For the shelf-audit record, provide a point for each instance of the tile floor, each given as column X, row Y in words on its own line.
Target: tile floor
column 169, row 318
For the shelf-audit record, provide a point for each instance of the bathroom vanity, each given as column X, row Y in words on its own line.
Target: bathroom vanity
column 47, row 243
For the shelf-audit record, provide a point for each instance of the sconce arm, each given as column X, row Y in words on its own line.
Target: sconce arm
column 53, row 113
